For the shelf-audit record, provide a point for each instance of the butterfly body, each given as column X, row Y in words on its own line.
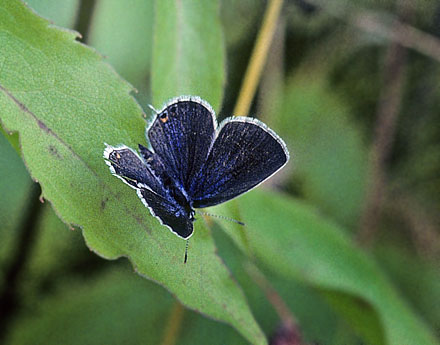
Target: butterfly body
column 193, row 164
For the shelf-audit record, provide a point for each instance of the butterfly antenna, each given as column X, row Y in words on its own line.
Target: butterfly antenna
column 153, row 108
column 222, row 217
column 186, row 251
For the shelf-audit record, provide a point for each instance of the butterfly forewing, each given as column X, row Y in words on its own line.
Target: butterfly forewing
column 130, row 168
column 244, row 154
column 181, row 135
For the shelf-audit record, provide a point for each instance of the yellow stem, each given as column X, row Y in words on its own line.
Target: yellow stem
column 173, row 325
column 258, row 58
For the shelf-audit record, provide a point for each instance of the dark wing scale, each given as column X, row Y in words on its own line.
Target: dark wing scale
column 181, row 135
column 171, row 215
column 154, row 164
column 174, row 193
column 244, row 154
column 128, row 166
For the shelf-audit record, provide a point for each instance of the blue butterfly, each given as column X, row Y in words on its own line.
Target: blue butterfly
column 194, row 164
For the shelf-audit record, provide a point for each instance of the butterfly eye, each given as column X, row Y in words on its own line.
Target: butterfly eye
column 163, row 117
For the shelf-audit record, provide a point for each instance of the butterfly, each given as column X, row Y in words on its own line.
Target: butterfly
column 192, row 163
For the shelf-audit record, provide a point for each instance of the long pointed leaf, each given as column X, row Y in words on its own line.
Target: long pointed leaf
column 65, row 103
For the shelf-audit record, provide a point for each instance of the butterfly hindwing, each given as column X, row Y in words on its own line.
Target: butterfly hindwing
column 181, row 135
column 151, row 186
column 244, row 154
column 172, row 215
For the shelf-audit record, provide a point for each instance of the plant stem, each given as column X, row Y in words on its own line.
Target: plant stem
column 258, row 58
column 84, row 18
column 387, row 115
column 173, row 325
column 288, row 332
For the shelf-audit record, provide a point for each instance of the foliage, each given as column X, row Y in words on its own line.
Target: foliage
column 60, row 100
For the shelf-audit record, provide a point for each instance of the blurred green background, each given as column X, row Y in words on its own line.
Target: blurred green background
column 359, row 108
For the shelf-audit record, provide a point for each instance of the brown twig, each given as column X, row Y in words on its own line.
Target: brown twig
column 274, row 298
column 398, row 32
column 289, row 332
column 387, row 114
column 422, row 223
column 384, row 25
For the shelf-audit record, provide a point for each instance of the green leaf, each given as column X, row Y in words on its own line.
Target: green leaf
column 65, row 103
column 55, row 247
column 112, row 308
column 62, row 13
column 15, row 186
column 188, row 51
column 241, row 18
column 115, row 307
column 12, row 138
column 418, row 279
column 297, row 243
column 123, row 33
column 329, row 158
column 360, row 316
column 318, row 323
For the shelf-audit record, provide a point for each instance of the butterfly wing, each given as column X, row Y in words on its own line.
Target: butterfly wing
column 149, row 184
column 182, row 134
column 245, row 153
column 126, row 164
column 170, row 214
